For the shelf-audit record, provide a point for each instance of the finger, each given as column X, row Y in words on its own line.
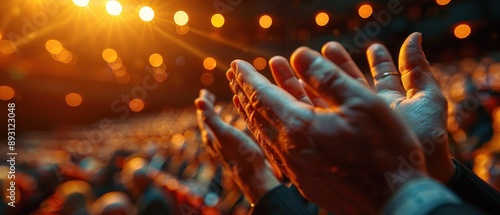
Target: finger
column 284, row 77
column 262, row 137
column 229, row 137
column 317, row 101
column 207, row 95
column 206, row 133
column 386, row 76
column 415, row 69
column 273, row 103
column 336, row 53
column 325, row 78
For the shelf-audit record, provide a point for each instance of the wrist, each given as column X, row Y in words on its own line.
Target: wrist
column 258, row 183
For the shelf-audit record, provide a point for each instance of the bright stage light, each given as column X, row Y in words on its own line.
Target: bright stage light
column 218, row 20
column 73, row 99
column 146, row 13
column 6, row 93
column 109, row 55
column 81, row 3
column 265, row 21
column 54, row 46
column 322, row 19
column 155, row 60
column 209, row 63
column 462, row 31
column 181, row 18
column 136, row 105
column 114, row 8
column 365, row 11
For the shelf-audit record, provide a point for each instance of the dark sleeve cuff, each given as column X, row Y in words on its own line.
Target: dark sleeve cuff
column 473, row 190
column 280, row 200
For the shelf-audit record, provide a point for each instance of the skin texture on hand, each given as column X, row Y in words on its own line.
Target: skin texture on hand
column 238, row 153
column 414, row 96
column 338, row 154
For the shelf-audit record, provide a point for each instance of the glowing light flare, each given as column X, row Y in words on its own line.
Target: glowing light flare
column 53, row 46
column 65, row 56
column 181, row 18
column 443, row 2
column 81, row 3
column 265, row 21
column 120, row 72
column 114, row 7
column 209, row 63
column 462, row 31
column 73, row 99
column 207, row 79
column 365, row 11
column 259, row 63
column 7, row 47
column 124, row 79
column 322, row 19
column 155, row 60
column 109, row 55
column 146, row 13
column 117, row 64
column 182, row 30
column 6, row 93
column 218, row 20
column 136, row 105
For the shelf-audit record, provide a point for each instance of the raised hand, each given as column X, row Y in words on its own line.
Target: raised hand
column 238, row 153
column 413, row 93
column 338, row 155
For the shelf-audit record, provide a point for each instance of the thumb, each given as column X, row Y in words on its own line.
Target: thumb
column 414, row 67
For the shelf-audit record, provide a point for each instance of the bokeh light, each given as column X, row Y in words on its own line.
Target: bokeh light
column 81, row 3
column 64, row 56
column 117, row 64
column 7, row 47
column 181, row 18
column 6, row 93
column 442, row 2
column 209, row 63
column 146, row 13
column 73, row 99
column 54, row 46
column 156, row 60
column 182, row 29
column 136, row 105
column 462, row 31
column 124, row 79
column 114, row 7
column 365, row 11
column 322, row 19
column 218, row 20
column 265, row 21
column 109, row 55
column 207, row 79
column 259, row 63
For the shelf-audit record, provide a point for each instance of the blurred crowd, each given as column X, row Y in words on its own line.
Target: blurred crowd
column 472, row 88
column 157, row 164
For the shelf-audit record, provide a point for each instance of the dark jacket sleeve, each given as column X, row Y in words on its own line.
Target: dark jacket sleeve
column 473, row 190
column 455, row 209
column 280, row 200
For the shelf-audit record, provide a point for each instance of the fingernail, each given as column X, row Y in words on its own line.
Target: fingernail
column 234, row 65
column 302, row 58
column 230, row 75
